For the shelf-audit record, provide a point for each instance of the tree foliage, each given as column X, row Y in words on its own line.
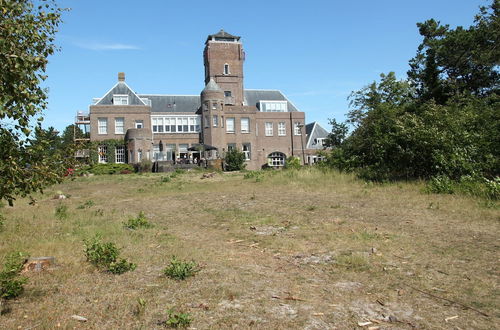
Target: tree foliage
column 234, row 160
column 26, row 40
column 443, row 121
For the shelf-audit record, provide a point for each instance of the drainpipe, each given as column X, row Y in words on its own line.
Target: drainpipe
column 291, row 130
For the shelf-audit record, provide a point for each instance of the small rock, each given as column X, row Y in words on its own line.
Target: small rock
column 79, row 318
column 374, row 250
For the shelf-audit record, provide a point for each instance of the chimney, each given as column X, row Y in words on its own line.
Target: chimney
column 121, row 76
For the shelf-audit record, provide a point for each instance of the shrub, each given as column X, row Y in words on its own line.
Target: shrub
column 104, row 255
column 440, row 184
column 164, row 179
column 145, row 166
column 293, row 162
column 61, row 212
column 180, row 270
column 493, row 188
column 100, row 169
column 87, row 204
column 11, row 284
column 177, row 319
column 234, row 160
column 138, row 222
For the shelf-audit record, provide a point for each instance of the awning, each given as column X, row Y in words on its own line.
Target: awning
column 201, row 147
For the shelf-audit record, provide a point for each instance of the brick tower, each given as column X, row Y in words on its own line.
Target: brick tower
column 223, row 58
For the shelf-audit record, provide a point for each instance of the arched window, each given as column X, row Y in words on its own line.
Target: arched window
column 276, row 159
column 226, row 68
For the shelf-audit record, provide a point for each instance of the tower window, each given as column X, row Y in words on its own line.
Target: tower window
column 226, row 68
column 227, row 93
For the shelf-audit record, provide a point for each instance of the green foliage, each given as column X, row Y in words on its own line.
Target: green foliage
column 338, row 133
column 110, row 145
column 2, row 222
column 61, row 211
column 100, row 169
column 293, row 162
column 180, row 270
column 104, row 255
column 353, row 261
column 257, row 175
column 165, row 179
column 88, row 204
column 145, row 166
column 27, row 39
column 11, row 284
column 138, row 222
column 234, row 160
column 177, row 319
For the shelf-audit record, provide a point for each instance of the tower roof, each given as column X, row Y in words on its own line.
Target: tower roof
column 222, row 36
column 212, row 87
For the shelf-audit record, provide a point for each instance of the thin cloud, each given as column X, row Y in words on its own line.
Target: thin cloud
column 103, row 46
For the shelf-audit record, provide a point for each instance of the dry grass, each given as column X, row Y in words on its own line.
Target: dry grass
column 289, row 250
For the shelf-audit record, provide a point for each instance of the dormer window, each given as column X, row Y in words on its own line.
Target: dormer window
column 226, row 69
column 120, row 99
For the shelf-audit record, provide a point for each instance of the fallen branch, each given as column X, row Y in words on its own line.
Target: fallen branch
column 448, row 300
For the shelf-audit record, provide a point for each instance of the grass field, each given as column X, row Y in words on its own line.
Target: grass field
column 278, row 250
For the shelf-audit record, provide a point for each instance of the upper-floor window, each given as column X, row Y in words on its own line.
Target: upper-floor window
column 273, row 106
column 281, row 129
column 139, row 124
column 207, row 122
column 215, row 121
column 227, row 93
column 120, row 99
column 102, row 125
column 158, row 126
column 245, row 125
column 230, row 125
column 119, row 125
column 226, row 69
column 214, row 105
column 297, row 128
column 269, row 129
column 320, row 141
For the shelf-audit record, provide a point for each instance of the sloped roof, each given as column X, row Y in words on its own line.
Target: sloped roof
column 212, row 86
column 315, row 131
column 173, row 103
column 123, row 89
column 253, row 96
column 222, row 34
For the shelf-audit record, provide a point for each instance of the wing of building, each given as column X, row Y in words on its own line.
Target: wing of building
column 264, row 124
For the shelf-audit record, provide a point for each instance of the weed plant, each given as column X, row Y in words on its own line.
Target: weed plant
column 180, row 270
column 61, row 212
column 138, row 222
column 177, row 319
column 86, row 205
column 104, row 255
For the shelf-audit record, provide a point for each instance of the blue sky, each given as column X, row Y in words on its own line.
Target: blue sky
column 316, row 52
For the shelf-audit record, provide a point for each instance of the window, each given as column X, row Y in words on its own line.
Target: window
column 297, row 129
column 119, row 125
column 274, row 106
column 245, row 125
column 139, row 124
column 181, row 124
column 320, row 141
column 120, row 154
column 102, row 151
column 230, row 125
column 214, row 105
column 120, row 99
column 215, row 121
column 157, row 125
column 227, row 93
column 231, row 146
column 207, row 122
column 102, row 125
column 281, row 129
column 276, row 159
column 170, row 151
column 205, row 106
column 146, row 101
column 269, row 129
column 226, row 68
column 246, row 150
column 156, row 152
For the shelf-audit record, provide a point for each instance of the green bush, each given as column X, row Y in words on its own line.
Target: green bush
column 440, row 185
column 234, row 160
column 180, row 270
column 493, row 188
column 104, row 255
column 145, row 166
column 100, row 169
column 177, row 319
column 138, row 222
column 11, row 284
column 293, row 162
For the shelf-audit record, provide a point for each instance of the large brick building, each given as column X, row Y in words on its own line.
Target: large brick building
column 263, row 124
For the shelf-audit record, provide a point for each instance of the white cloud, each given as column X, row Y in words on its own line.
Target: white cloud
column 105, row 46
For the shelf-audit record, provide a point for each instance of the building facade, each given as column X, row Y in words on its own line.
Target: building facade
column 263, row 124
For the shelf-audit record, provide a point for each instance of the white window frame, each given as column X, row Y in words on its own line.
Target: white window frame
column 273, row 106
column 230, row 125
column 281, row 128
column 276, row 159
column 177, row 123
column 102, row 152
column 296, row 128
column 269, row 128
column 226, row 70
column 215, row 120
column 139, row 123
column 248, row 151
column 120, row 154
column 119, row 129
column 120, row 99
column 102, row 125
column 245, row 128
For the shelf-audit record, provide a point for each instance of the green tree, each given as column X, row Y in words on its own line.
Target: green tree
column 26, row 40
column 338, row 133
column 234, row 160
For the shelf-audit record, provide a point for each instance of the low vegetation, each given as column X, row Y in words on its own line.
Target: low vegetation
column 104, row 255
column 138, row 222
column 11, row 283
column 180, row 270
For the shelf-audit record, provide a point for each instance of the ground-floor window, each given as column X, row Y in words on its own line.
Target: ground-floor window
column 246, row 150
column 120, row 155
column 276, row 159
column 102, row 151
